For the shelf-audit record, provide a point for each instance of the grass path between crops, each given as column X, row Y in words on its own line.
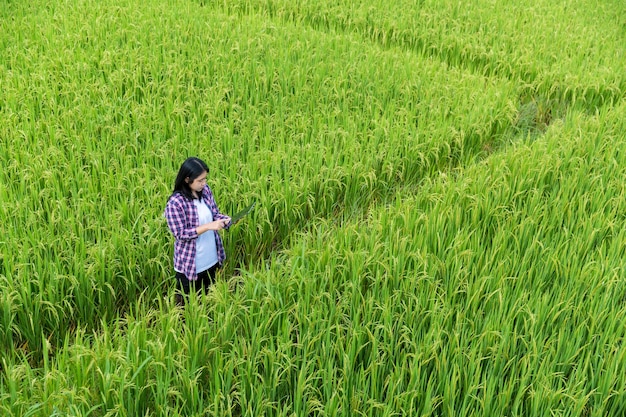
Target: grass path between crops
column 536, row 111
column 535, row 114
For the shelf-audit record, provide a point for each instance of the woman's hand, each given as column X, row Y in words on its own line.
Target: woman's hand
column 220, row 224
column 214, row 225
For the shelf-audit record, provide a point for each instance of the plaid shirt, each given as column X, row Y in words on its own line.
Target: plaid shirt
column 182, row 220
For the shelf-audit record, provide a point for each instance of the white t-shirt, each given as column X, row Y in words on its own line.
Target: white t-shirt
column 206, row 249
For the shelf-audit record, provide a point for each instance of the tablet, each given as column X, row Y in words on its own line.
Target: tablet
column 236, row 217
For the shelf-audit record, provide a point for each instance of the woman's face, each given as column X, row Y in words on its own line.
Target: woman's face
column 198, row 183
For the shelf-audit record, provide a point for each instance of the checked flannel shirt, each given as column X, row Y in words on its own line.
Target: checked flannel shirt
column 182, row 220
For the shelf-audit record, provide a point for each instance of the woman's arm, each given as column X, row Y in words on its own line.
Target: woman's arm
column 217, row 215
column 214, row 225
column 177, row 221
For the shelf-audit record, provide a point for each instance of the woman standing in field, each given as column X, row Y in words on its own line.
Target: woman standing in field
column 194, row 220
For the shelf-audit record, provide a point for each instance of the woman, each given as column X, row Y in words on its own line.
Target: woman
column 194, row 220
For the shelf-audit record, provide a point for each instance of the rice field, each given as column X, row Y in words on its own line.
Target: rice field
column 440, row 207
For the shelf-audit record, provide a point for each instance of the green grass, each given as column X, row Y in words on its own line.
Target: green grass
column 533, row 44
column 439, row 219
column 95, row 130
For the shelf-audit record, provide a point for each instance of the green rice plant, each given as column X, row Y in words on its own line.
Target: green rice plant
column 527, row 41
column 396, row 265
column 98, row 117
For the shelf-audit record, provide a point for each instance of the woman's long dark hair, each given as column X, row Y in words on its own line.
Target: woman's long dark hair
column 192, row 168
